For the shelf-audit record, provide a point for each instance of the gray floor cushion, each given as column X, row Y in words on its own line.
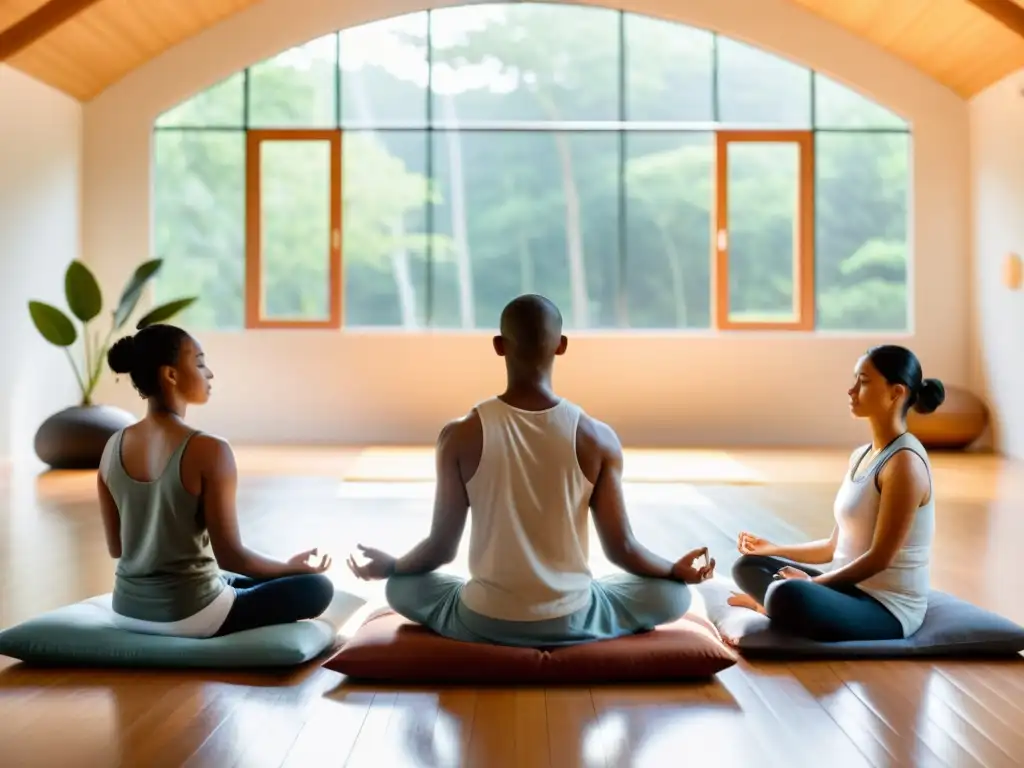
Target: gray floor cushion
column 82, row 634
column 952, row 628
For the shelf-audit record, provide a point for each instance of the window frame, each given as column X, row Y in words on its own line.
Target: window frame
column 253, row 293
column 804, row 240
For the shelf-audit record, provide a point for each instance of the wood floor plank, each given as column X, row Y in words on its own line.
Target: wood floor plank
column 801, row 728
column 905, row 710
column 532, row 737
column 492, row 737
column 331, row 727
column 455, row 725
column 371, row 747
column 185, row 730
column 948, row 713
column 868, row 729
column 990, row 720
column 680, row 724
column 574, row 738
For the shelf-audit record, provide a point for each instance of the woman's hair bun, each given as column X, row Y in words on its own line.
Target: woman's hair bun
column 930, row 396
column 121, row 357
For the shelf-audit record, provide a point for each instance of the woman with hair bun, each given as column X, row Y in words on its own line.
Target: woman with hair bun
column 167, row 498
column 876, row 579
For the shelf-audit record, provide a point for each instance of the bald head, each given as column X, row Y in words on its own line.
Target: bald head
column 531, row 330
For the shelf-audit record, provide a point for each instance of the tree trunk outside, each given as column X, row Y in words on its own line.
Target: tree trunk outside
column 573, row 236
column 460, row 225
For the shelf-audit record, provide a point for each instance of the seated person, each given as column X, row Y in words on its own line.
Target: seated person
column 167, row 498
column 876, row 584
column 530, row 464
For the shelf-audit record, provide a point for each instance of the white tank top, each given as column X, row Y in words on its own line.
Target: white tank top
column 529, row 506
column 902, row 587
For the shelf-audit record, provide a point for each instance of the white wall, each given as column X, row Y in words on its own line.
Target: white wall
column 295, row 386
column 997, row 181
column 40, row 200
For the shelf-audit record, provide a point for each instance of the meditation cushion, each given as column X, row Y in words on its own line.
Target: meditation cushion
column 83, row 634
column 952, row 628
column 388, row 647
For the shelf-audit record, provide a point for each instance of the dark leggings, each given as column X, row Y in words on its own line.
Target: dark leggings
column 811, row 610
column 286, row 599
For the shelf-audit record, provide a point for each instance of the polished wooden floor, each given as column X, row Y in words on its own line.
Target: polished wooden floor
column 788, row 715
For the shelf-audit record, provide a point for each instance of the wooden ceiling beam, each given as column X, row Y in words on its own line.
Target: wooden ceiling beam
column 1006, row 12
column 39, row 23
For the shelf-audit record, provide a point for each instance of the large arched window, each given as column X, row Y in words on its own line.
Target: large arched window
column 420, row 171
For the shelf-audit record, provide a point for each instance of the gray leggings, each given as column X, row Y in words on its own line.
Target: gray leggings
column 811, row 610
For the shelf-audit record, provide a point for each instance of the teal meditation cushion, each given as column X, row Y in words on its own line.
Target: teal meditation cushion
column 83, row 634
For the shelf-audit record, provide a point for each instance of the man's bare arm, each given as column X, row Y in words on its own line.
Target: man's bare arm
column 609, row 509
column 451, row 508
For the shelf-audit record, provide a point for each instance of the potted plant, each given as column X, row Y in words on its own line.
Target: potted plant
column 75, row 437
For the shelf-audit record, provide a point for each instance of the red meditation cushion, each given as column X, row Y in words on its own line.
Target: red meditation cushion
column 388, row 647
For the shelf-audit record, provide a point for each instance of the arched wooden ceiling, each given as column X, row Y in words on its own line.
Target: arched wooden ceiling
column 84, row 46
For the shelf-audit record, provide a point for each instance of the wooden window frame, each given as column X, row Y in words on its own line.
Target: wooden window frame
column 254, row 318
column 803, row 257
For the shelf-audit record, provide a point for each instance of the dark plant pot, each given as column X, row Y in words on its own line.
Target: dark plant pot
column 75, row 437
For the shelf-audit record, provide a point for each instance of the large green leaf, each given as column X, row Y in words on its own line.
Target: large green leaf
column 164, row 312
column 133, row 290
column 82, row 292
column 53, row 324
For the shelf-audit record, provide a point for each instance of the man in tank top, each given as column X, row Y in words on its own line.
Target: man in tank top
column 532, row 467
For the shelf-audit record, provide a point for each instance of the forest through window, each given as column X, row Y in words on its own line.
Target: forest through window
column 420, row 171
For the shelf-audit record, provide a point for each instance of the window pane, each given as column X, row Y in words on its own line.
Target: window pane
column 524, row 62
column 295, row 229
column 199, row 224
column 669, row 71
column 757, row 88
column 219, row 106
column 384, row 73
column 297, row 88
column 836, row 106
column 384, row 191
column 525, row 212
column 862, row 212
column 764, row 218
column 669, row 183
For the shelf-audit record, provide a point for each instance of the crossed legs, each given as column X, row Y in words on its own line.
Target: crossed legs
column 808, row 609
column 263, row 602
column 620, row 604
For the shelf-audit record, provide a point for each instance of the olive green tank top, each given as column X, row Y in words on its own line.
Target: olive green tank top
column 167, row 570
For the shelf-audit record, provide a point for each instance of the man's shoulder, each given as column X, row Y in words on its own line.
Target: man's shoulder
column 597, row 434
column 465, row 427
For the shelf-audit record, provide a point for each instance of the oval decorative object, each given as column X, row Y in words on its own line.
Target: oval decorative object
column 75, row 437
column 958, row 422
